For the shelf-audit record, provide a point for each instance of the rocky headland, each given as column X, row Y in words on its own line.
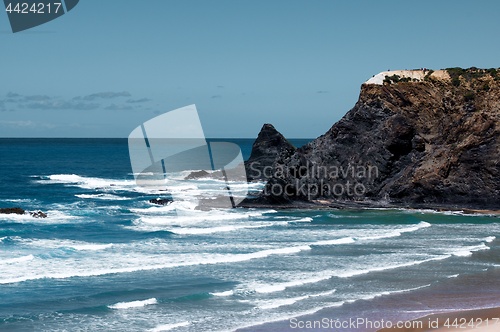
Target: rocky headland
column 418, row 139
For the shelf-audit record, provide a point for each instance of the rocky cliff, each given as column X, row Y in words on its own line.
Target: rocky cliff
column 270, row 148
column 427, row 140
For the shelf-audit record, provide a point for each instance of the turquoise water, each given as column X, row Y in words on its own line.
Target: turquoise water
column 106, row 259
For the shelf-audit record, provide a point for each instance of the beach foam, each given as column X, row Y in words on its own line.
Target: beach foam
column 168, row 327
column 489, row 239
column 469, row 250
column 211, row 230
column 133, row 304
column 107, row 197
column 279, row 287
column 353, row 273
column 385, row 234
column 53, row 217
column 223, row 294
column 17, row 259
column 276, row 303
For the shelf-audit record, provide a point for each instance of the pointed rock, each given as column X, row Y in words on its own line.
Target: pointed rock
column 270, row 148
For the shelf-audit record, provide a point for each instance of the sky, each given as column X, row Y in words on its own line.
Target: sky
column 107, row 66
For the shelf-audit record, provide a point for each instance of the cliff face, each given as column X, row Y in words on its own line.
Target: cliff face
column 434, row 142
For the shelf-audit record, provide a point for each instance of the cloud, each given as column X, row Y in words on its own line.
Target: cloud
column 115, row 107
column 136, row 101
column 37, row 98
column 13, row 95
column 26, row 124
column 321, row 91
column 61, row 105
column 79, row 103
column 106, row 95
column 3, row 108
column 44, row 102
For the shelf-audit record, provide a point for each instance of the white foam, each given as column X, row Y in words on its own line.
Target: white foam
column 306, row 219
column 352, row 273
column 147, row 255
column 382, row 236
column 53, row 217
column 168, row 327
column 210, row 230
column 65, row 178
column 386, row 293
column 341, row 216
column 198, row 218
column 266, row 253
column 276, row 303
column 468, row 251
column 280, row 303
column 345, row 240
column 194, row 221
column 56, row 243
column 396, row 232
column 20, row 200
column 17, row 259
column 489, row 239
column 92, row 246
column 107, row 197
column 279, row 287
column 133, row 304
column 95, row 183
column 119, row 263
column 223, row 294
column 90, row 182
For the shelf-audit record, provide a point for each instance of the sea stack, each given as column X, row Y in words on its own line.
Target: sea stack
column 269, row 149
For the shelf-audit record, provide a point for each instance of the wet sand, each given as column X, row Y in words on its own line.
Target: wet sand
column 481, row 320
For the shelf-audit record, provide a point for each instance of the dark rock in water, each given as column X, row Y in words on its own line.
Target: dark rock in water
column 160, row 201
column 432, row 143
column 270, row 149
column 15, row 210
column 38, row 214
column 197, row 175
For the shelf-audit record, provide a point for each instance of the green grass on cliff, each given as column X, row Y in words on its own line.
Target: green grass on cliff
column 471, row 73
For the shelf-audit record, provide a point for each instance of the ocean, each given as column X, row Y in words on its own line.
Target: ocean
column 106, row 259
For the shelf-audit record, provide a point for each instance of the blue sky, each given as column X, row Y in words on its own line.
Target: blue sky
column 107, row 66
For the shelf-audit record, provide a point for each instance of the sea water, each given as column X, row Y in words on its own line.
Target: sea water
column 107, row 259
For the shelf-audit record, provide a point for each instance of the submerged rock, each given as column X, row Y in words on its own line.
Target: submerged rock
column 197, row 175
column 161, row 201
column 38, row 214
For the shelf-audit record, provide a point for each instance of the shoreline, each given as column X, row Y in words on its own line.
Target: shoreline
column 336, row 205
column 486, row 319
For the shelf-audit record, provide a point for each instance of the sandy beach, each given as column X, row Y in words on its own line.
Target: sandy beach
column 447, row 306
column 483, row 320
